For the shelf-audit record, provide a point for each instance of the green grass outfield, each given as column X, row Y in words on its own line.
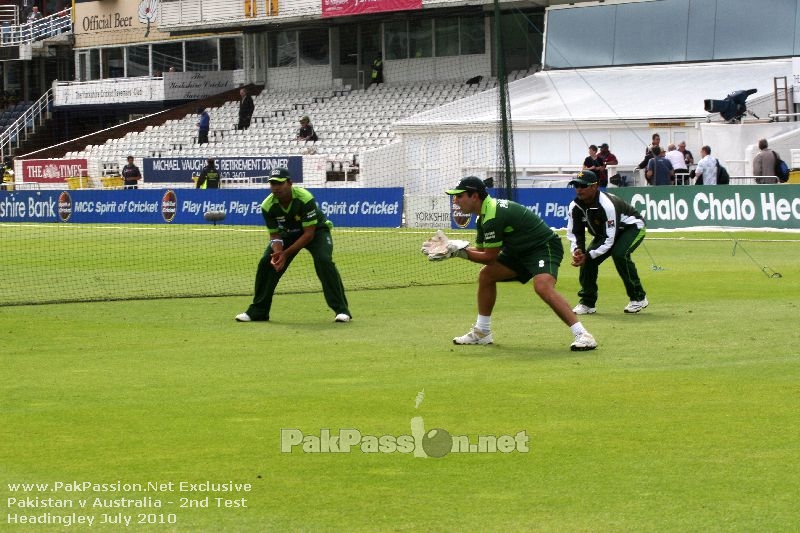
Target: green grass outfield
column 684, row 419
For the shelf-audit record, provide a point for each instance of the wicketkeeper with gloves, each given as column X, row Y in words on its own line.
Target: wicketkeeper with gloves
column 512, row 243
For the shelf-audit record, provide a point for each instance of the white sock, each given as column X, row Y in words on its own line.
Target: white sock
column 577, row 328
column 484, row 323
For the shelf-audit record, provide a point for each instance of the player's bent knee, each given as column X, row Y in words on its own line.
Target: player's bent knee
column 544, row 284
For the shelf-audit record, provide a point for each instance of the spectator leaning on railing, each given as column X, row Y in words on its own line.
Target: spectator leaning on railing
column 34, row 14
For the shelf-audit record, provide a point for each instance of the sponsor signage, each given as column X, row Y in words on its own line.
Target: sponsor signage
column 338, row 8
column 112, row 91
column 379, row 208
column 196, row 85
column 177, row 169
column 173, row 86
column 427, row 211
column 750, row 206
column 103, row 22
column 52, row 170
column 550, row 204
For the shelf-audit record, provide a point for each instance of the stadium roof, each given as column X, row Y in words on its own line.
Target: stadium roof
column 656, row 92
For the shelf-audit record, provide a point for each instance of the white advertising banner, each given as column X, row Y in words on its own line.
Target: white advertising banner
column 174, row 86
column 111, row 91
column 428, row 211
column 195, row 85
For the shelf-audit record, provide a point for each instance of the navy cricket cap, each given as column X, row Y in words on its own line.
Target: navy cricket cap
column 585, row 178
column 280, row 175
column 468, row 184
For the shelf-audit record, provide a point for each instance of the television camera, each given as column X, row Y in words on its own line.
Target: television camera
column 733, row 107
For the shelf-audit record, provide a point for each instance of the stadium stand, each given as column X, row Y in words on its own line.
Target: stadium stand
column 344, row 120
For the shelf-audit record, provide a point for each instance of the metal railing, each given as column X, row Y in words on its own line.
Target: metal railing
column 37, row 30
column 9, row 15
column 25, row 125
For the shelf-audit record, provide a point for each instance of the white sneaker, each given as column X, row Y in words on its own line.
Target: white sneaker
column 583, row 342
column 243, row 317
column 474, row 336
column 635, row 307
column 342, row 317
column 581, row 309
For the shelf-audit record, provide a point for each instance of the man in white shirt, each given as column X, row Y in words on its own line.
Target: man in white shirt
column 706, row 171
column 675, row 157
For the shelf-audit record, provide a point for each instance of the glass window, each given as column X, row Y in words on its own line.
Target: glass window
column 670, row 31
column 166, row 56
column 348, row 44
column 201, row 55
column 655, row 42
column 447, row 37
column 700, row 41
column 113, row 63
column 396, row 38
column 94, row 64
column 770, row 29
column 283, row 49
column 472, row 35
column 314, row 47
column 232, row 53
column 568, row 48
column 138, row 60
column 420, row 38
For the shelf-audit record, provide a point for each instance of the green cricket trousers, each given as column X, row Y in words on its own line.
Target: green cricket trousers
column 627, row 241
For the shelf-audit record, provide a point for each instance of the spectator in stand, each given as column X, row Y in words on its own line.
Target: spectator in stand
column 306, row 132
column 594, row 163
column 706, row 171
column 203, row 125
column 688, row 158
column 659, row 169
column 608, row 159
column 34, row 14
column 246, row 108
column 675, row 157
column 648, row 152
column 131, row 174
column 764, row 163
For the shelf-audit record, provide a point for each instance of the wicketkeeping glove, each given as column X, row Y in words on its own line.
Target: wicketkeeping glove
column 439, row 247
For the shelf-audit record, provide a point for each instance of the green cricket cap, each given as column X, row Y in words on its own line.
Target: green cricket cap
column 279, row 175
column 468, row 184
column 585, row 178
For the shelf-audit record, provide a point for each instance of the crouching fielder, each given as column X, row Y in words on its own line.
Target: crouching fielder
column 512, row 243
column 616, row 229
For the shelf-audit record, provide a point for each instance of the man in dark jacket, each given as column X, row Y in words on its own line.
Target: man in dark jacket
column 209, row 177
column 246, row 108
column 616, row 228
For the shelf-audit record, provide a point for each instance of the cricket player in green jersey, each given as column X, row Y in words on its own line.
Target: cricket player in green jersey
column 294, row 221
column 512, row 243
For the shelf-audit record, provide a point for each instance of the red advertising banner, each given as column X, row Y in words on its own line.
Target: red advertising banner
column 338, row 8
column 52, row 170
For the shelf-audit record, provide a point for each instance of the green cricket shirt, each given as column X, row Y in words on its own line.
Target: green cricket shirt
column 301, row 213
column 507, row 224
